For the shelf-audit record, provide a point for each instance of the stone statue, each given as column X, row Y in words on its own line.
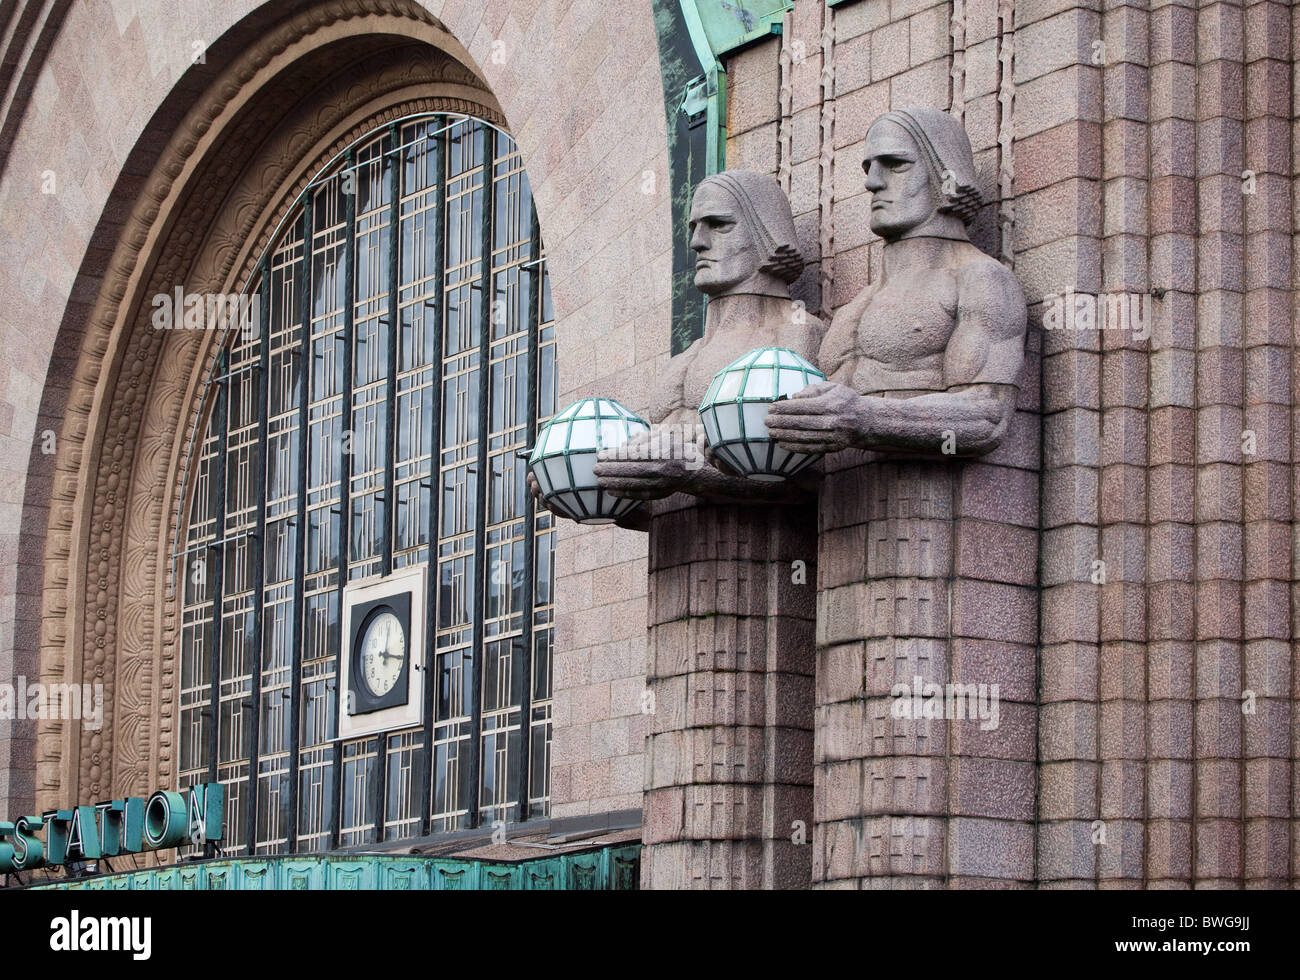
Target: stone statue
column 922, row 368
column 747, row 255
column 731, row 625
column 926, row 359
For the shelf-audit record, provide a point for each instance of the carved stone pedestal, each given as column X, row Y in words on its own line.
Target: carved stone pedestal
column 913, row 585
column 731, row 649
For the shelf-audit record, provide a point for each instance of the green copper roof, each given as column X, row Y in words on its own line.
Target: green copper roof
column 727, row 25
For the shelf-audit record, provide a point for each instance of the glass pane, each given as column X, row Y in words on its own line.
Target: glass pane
column 458, row 395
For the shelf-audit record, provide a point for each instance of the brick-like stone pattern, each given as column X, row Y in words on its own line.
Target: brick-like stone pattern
column 900, row 803
column 1123, row 172
column 1144, row 151
column 926, row 572
column 729, row 697
column 579, row 85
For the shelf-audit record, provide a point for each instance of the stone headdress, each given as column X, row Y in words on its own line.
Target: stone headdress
column 946, row 149
column 767, row 210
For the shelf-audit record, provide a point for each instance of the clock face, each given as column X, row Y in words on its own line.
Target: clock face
column 383, row 653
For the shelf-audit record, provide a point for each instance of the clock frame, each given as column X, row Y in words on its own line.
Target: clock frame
column 361, row 711
column 364, row 614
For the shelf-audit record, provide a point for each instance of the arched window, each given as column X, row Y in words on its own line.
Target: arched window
column 338, row 450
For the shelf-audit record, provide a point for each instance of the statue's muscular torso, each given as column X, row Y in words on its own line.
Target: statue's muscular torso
column 682, row 387
column 894, row 335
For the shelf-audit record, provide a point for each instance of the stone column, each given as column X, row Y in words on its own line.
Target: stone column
column 926, row 571
column 880, row 798
column 728, row 800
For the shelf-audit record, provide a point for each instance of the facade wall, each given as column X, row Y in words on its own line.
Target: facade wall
column 115, row 92
column 1143, row 150
column 1149, row 149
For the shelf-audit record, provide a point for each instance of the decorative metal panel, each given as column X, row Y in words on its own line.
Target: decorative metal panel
column 611, row 868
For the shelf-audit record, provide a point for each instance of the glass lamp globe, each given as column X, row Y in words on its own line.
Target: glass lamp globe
column 735, row 408
column 565, row 455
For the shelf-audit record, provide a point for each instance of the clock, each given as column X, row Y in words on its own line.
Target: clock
column 381, row 670
column 380, row 658
column 383, row 651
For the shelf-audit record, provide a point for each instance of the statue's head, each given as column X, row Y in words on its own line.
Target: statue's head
column 742, row 233
column 921, row 173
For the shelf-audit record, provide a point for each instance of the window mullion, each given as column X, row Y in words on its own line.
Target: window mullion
column 474, row 776
column 216, row 563
column 435, row 457
column 259, row 581
column 300, row 521
column 345, row 480
column 392, row 161
column 524, row 675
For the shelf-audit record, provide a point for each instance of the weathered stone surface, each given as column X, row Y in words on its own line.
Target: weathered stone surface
column 1142, row 159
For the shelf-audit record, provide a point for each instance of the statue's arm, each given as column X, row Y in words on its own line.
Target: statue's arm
column 965, row 420
column 981, row 369
column 673, row 457
column 719, row 485
column 981, row 372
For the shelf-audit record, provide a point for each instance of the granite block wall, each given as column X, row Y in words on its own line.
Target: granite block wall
column 1125, row 566
column 1140, row 156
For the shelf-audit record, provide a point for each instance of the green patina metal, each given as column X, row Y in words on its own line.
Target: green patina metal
column 730, row 25
column 615, row 868
column 694, row 35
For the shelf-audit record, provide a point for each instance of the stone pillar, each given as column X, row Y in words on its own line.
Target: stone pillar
column 926, row 571
column 880, row 797
column 730, row 670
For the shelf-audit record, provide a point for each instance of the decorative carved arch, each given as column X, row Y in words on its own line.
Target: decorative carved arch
column 225, row 178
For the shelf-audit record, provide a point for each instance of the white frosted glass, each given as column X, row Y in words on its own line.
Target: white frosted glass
column 584, row 434
column 555, row 437
column 612, row 434
column 729, row 422
column 760, row 384
column 582, row 464
column 730, row 386
column 709, row 418
column 737, row 458
column 755, row 420
column 568, row 503
column 543, row 480
column 791, row 381
column 558, row 473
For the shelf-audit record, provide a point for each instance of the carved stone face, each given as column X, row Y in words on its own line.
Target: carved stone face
column 903, row 195
column 726, row 254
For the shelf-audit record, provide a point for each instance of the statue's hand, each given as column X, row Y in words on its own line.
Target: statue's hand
column 822, row 418
column 535, row 489
column 720, row 464
column 652, row 465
